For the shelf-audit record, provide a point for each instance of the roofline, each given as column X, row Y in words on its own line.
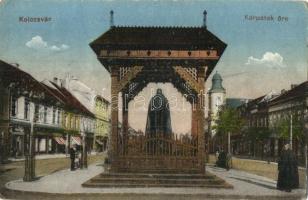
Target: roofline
column 224, row 45
column 83, row 107
column 103, row 98
column 284, row 98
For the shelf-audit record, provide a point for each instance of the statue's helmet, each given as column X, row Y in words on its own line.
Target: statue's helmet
column 159, row 91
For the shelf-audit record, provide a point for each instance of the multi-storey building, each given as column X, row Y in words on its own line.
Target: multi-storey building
column 58, row 118
column 95, row 103
column 271, row 121
column 102, row 123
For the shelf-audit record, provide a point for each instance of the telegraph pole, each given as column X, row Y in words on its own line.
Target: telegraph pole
column 30, row 153
column 84, row 157
column 229, row 143
column 291, row 132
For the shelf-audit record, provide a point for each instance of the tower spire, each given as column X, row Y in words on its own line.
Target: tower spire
column 204, row 18
column 111, row 19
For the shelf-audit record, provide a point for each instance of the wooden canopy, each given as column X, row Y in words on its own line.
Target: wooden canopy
column 136, row 56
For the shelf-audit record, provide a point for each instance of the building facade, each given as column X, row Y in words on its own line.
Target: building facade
column 102, row 129
column 96, row 104
column 273, row 120
column 59, row 119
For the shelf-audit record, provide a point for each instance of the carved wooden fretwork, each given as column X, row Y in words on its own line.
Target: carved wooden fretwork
column 192, row 71
column 132, row 87
column 189, row 79
column 123, row 72
column 128, row 75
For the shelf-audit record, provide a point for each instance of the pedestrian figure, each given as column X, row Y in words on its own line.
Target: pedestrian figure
column 228, row 161
column 72, row 157
column 78, row 159
column 216, row 156
column 287, row 170
column 222, row 159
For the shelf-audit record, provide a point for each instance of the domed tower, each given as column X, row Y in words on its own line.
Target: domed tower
column 217, row 98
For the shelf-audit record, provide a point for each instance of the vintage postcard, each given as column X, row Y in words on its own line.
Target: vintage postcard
column 153, row 99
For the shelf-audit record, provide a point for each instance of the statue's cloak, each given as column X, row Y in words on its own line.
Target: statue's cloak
column 158, row 120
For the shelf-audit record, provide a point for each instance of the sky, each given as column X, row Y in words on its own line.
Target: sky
column 262, row 56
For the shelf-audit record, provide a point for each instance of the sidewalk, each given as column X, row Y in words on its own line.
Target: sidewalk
column 48, row 156
column 246, row 185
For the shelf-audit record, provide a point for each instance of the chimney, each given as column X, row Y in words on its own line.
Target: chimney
column 15, row 65
column 204, row 18
column 56, row 81
column 293, row 86
column 62, row 83
column 111, row 19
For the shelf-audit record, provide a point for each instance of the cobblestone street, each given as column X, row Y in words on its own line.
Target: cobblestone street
column 246, row 186
column 15, row 170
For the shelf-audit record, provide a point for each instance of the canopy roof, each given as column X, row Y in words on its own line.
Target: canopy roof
column 158, row 38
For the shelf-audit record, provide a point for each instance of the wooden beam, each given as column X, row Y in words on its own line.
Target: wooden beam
column 159, row 54
column 128, row 77
column 181, row 71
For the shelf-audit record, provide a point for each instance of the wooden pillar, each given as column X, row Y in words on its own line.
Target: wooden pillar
column 125, row 122
column 194, row 124
column 113, row 150
column 201, row 119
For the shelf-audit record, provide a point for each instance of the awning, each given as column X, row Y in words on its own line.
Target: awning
column 60, row 140
column 76, row 140
column 99, row 142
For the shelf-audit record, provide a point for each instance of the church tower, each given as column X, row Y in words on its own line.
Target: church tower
column 217, row 98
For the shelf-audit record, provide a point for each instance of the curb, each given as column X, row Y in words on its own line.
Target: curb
column 11, row 193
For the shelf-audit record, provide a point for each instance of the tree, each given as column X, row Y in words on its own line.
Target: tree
column 283, row 127
column 258, row 136
column 228, row 122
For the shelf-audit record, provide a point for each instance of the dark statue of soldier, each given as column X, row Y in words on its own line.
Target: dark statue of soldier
column 158, row 120
column 288, row 170
column 158, row 124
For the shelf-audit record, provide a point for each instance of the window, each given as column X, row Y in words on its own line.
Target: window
column 45, row 114
column 53, row 115
column 14, row 106
column 64, row 121
column 27, row 109
column 58, row 117
column 72, row 123
column 36, row 112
